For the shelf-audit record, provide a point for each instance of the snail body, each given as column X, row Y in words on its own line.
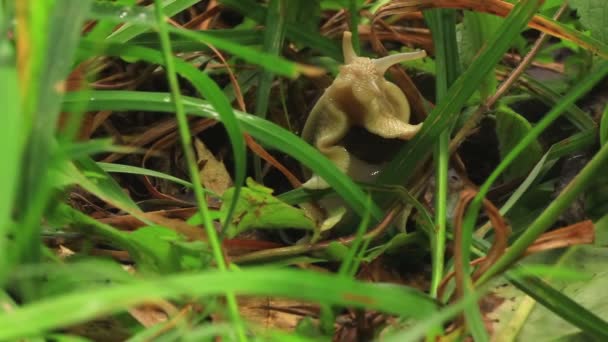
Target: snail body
column 359, row 96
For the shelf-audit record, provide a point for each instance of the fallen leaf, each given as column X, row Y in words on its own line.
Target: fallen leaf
column 213, row 173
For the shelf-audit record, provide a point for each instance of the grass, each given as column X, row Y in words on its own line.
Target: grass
column 85, row 80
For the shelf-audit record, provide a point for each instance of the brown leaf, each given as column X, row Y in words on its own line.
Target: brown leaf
column 213, row 173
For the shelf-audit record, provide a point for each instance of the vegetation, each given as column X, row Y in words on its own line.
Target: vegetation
column 153, row 168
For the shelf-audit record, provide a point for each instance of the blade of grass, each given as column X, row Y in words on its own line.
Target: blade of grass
column 553, row 299
column 143, row 17
column 184, row 132
column 540, row 224
column 551, row 213
column 403, row 165
column 575, row 142
column 548, row 217
column 264, row 131
column 562, row 305
column 353, row 24
column 604, row 126
column 443, row 27
column 12, row 139
column 104, row 28
column 64, row 310
column 422, row 328
column 183, row 44
column 579, row 118
column 274, row 34
column 314, row 40
column 349, row 265
column 134, row 170
column 208, row 88
column 43, row 98
column 133, row 29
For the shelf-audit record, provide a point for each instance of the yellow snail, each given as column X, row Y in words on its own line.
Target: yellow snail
column 358, row 96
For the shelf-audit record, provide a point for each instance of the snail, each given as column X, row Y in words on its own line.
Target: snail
column 359, row 96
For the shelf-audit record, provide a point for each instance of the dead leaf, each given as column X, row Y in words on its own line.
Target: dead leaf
column 213, row 173
column 274, row 313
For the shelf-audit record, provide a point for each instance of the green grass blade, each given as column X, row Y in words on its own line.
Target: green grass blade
column 143, row 18
column 443, row 27
column 12, row 142
column 215, row 96
column 44, row 100
column 471, row 215
column 104, row 28
column 266, row 132
column 90, row 177
column 270, row 62
column 274, row 34
column 579, row 118
column 562, row 305
column 61, row 311
column 139, row 15
column 208, row 88
column 257, row 12
column 604, row 126
column 353, row 24
column 576, row 142
column 402, row 167
column 134, row 170
column 404, row 164
column 551, row 213
column 241, row 37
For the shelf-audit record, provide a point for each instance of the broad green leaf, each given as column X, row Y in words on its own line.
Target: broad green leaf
column 257, row 208
column 594, row 16
column 543, row 325
column 510, row 129
column 474, row 32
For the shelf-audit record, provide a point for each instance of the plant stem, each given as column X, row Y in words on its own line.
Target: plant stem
column 186, row 139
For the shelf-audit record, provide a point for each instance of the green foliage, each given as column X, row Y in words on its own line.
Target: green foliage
column 160, row 250
column 306, row 285
column 43, row 163
column 257, row 208
column 593, row 15
column 510, row 129
column 604, row 126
